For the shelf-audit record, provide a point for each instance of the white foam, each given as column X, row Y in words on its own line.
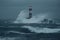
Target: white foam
column 41, row 30
column 24, row 14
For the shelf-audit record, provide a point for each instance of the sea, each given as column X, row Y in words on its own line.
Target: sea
column 29, row 33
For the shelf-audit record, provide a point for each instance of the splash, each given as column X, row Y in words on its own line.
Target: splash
column 35, row 19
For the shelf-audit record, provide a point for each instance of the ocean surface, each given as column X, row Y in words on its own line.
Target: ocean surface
column 25, row 38
column 30, row 33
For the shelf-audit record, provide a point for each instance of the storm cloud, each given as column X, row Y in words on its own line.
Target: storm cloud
column 9, row 9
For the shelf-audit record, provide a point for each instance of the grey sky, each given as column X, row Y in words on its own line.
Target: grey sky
column 11, row 8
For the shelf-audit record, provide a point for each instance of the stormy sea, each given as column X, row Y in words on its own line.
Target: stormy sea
column 29, row 33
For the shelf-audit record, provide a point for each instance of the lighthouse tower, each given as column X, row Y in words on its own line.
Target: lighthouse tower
column 30, row 12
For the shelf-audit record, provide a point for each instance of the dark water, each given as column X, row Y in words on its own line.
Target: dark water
column 24, row 38
column 27, row 38
column 33, row 36
column 6, row 35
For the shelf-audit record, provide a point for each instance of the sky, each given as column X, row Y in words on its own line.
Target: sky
column 10, row 9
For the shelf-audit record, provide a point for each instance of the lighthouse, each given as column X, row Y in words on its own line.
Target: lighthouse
column 30, row 12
